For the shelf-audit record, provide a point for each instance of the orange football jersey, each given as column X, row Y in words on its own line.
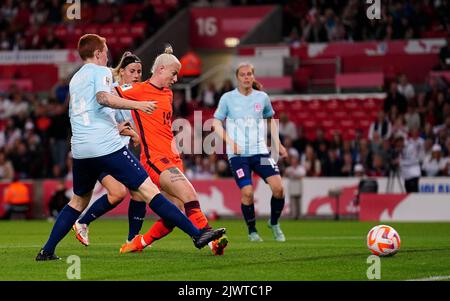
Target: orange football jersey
column 155, row 129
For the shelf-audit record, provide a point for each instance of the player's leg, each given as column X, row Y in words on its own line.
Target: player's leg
column 116, row 192
column 124, row 166
column 173, row 180
column 240, row 169
column 158, row 230
column 84, row 177
column 136, row 216
column 268, row 170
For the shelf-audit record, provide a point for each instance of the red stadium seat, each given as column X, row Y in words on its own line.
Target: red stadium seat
column 138, row 29
column 357, row 115
column 107, row 29
column 297, row 105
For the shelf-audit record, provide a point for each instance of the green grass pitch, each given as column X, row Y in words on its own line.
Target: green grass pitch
column 314, row 250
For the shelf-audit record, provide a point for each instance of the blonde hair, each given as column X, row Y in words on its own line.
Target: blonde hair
column 165, row 58
column 256, row 84
column 127, row 58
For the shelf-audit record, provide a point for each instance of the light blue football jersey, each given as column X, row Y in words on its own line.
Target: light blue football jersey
column 245, row 122
column 94, row 127
column 121, row 116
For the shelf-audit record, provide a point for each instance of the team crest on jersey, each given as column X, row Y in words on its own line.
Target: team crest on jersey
column 258, row 107
column 126, row 87
column 165, row 160
column 107, row 81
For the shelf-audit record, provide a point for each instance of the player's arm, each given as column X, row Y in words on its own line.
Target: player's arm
column 220, row 115
column 110, row 100
column 220, row 131
column 268, row 113
column 275, row 137
column 102, row 78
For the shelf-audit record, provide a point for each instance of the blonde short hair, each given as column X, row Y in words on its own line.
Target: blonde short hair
column 165, row 58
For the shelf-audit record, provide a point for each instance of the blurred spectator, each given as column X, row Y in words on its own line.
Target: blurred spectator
column 347, row 165
column 412, row 118
column 364, row 156
column 379, row 167
column 382, row 126
column 295, row 172
column 301, row 141
column 395, row 99
column 435, row 164
column 399, row 127
column 315, row 30
column 227, row 86
column 405, row 88
column 51, row 41
column 287, row 128
column 199, row 170
column 222, row 169
column 6, row 167
column 406, row 158
column 359, row 171
column 444, row 55
column 320, row 139
column 58, row 200
column 180, row 107
column 58, row 134
column 418, row 143
column 210, row 96
column 17, row 199
column 5, row 107
column 311, row 163
column 332, row 165
column 61, row 91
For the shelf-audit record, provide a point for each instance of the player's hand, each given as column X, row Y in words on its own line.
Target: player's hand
column 135, row 139
column 124, row 127
column 283, row 152
column 146, row 106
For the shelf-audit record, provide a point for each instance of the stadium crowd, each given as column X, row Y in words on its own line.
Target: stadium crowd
column 35, row 135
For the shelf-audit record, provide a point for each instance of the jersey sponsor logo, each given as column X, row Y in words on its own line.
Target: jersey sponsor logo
column 240, row 173
column 258, row 107
column 107, row 81
column 126, row 87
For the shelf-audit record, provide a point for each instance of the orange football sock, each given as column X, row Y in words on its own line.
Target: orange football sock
column 195, row 214
column 158, row 230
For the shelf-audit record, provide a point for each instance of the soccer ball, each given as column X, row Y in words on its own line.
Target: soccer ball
column 383, row 240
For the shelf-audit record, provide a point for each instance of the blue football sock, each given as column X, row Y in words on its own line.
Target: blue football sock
column 169, row 212
column 62, row 226
column 136, row 216
column 97, row 209
column 248, row 211
column 276, row 207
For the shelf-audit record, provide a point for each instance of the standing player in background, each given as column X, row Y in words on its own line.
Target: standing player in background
column 246, row 110
column 160, row 159
column 97, row 147
column 128, row 71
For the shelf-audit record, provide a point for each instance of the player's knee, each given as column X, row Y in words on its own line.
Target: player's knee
column 247, row 195
column 148, row 190
column 117, row 194
column 188, row 196
column 278, row 191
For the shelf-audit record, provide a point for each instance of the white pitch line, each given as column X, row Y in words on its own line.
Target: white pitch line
column 433, row 278
column 38, row 246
